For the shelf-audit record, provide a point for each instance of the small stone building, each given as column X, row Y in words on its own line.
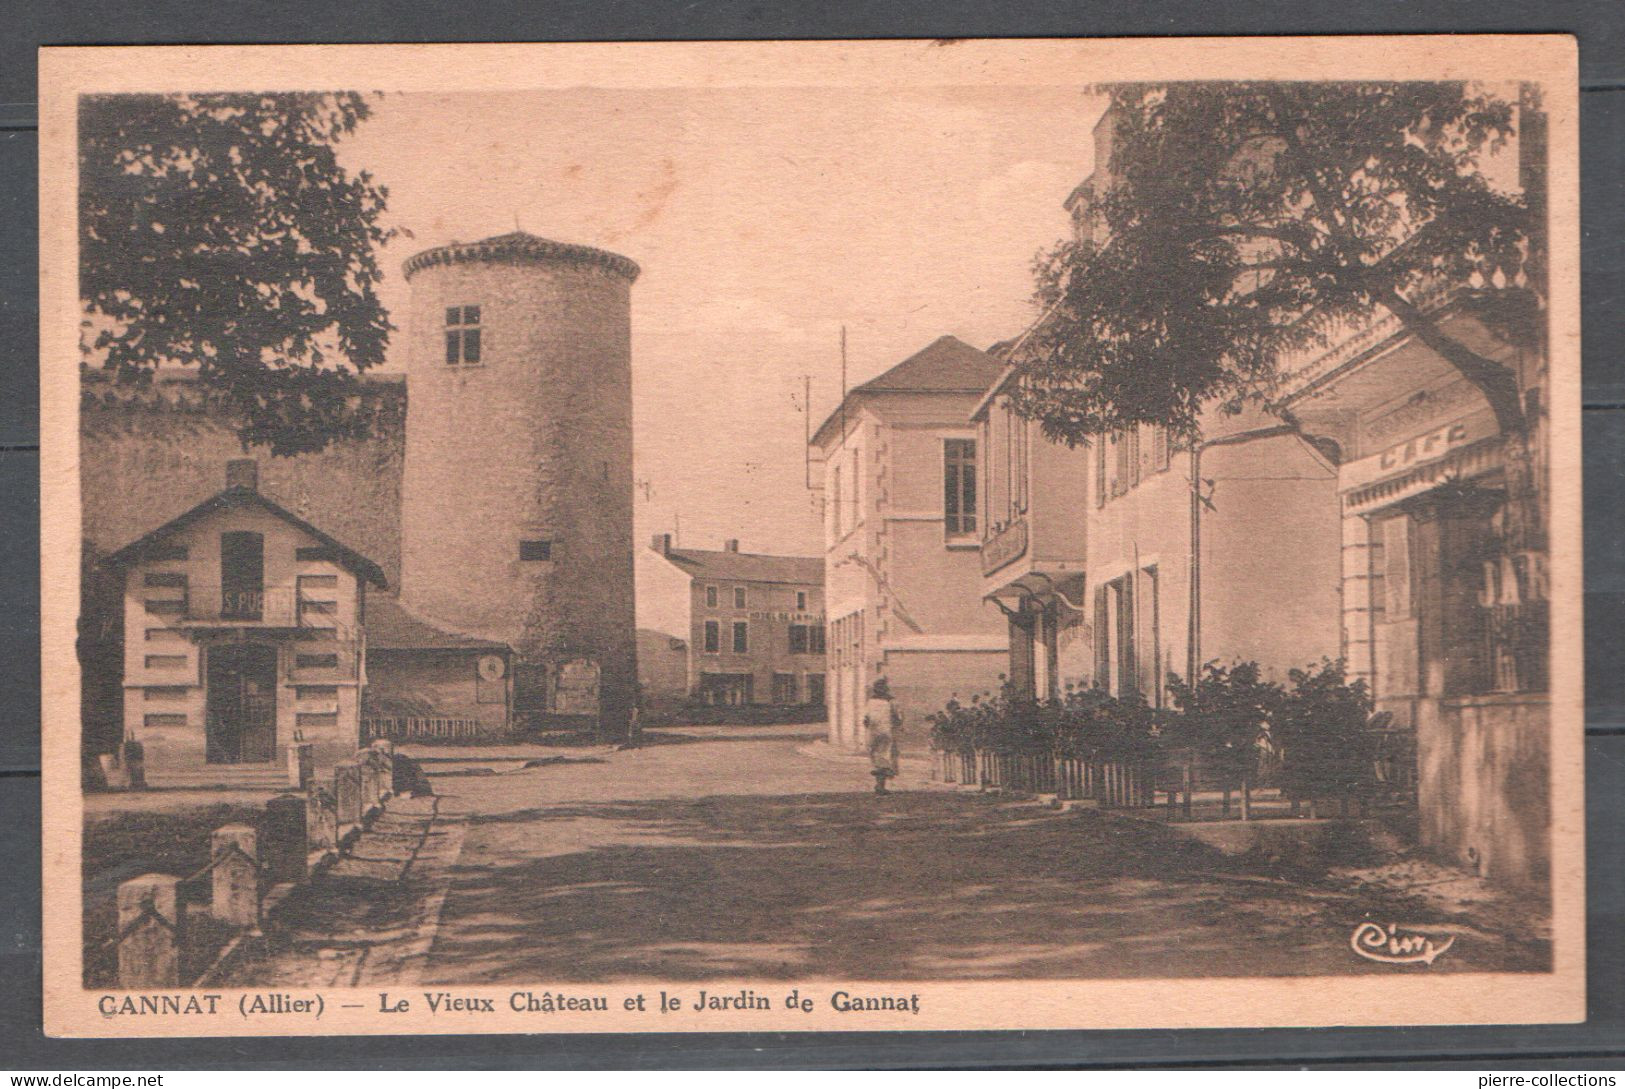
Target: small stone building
column 426, row 682
column 243, row 632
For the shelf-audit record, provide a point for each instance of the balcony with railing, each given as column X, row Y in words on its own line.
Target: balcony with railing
column 223, row 607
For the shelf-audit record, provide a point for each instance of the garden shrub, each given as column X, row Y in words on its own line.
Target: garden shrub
column 1321, row 731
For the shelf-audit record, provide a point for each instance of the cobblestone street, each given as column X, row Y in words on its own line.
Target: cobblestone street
column 734, row 853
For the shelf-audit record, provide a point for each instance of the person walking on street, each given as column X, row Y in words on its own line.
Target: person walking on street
column 884, row 721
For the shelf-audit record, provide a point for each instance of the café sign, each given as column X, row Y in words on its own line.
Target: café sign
column 1418, row 450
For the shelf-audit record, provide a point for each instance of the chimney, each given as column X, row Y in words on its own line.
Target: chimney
column 661, row 543
column 243, row 473
column 731, row 545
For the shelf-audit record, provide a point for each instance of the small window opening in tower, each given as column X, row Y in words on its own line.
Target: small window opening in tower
column 462, row 335
column 535, row 550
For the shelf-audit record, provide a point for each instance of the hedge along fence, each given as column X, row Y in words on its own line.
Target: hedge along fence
column 1233, row 730
column 1088, row 745
column 163, row 942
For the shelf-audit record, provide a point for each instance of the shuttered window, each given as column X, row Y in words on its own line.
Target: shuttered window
column 1160, row 453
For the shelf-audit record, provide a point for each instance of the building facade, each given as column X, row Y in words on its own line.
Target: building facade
column 1143, row 555
column 902, row 552
column 1034, row 546
column 1444, row 600
column 1114, row 571
column 755, row 625
column 1383, row 513
column 243, row 632
column 516, row 506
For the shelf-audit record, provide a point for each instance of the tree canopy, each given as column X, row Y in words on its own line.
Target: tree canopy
column 1235, row 222
column 220, row 231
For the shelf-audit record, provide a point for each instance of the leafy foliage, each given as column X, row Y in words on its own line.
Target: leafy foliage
column 1315, row 729
column 220, row 230
column 1239, row 221
column 1320, row 729
column 1085, row 724
column 1225, row 715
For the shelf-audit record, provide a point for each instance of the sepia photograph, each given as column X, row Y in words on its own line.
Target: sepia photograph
column 811, row 536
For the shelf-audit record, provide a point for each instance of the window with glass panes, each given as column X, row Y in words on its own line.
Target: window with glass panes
column 462, row 335
column 959, row 486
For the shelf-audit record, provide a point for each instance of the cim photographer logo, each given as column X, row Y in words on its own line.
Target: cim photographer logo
column 1395, row 944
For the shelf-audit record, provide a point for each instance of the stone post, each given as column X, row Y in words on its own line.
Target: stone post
column 383, row 750
column 301, row 764
column 150, row 924
column 135, row 763
column 347, row 788
column 114, row 773
column 236, row 892
column 371, row 786
column 284, row 838
column 321, row 821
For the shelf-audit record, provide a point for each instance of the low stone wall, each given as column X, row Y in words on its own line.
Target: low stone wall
column 176, row 931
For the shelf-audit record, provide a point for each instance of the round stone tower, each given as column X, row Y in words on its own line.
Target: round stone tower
column 516, row 505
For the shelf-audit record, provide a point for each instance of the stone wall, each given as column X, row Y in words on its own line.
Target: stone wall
column 1484, row 764
column 534, row 442
column 433, row 683
column 146, row 457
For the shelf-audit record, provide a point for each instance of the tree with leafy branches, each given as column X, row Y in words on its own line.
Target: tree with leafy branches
column 220, row 231
column 1233, row 224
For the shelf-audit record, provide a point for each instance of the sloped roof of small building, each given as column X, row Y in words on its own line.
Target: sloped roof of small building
column 946, row 365
column 391, row 627
column 747, row 566
column 237, row 497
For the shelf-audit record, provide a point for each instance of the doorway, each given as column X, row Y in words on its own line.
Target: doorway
column 241, row 704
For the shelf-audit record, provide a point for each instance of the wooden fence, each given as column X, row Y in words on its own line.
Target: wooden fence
column 1391, row 781
column 165, row 933
column 421, row 728
column 1112, row 784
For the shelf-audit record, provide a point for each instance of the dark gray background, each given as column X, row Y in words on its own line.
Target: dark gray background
column 1600, row 27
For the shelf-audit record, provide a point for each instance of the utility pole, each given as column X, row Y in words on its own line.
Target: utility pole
column 843, row 385
column 806, row 431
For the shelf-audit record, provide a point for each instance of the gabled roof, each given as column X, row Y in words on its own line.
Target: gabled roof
column 236, row 498
column 747, row 566
column 946, row 365
column 391, row 627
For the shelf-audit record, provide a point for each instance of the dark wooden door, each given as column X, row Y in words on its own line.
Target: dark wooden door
column 241, row 704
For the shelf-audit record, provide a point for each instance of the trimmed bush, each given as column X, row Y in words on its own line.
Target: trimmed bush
column 1085, row 724
column 1320, row 728
column 1224, row 719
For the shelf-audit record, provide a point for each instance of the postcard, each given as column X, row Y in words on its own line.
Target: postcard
column 811, row 536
